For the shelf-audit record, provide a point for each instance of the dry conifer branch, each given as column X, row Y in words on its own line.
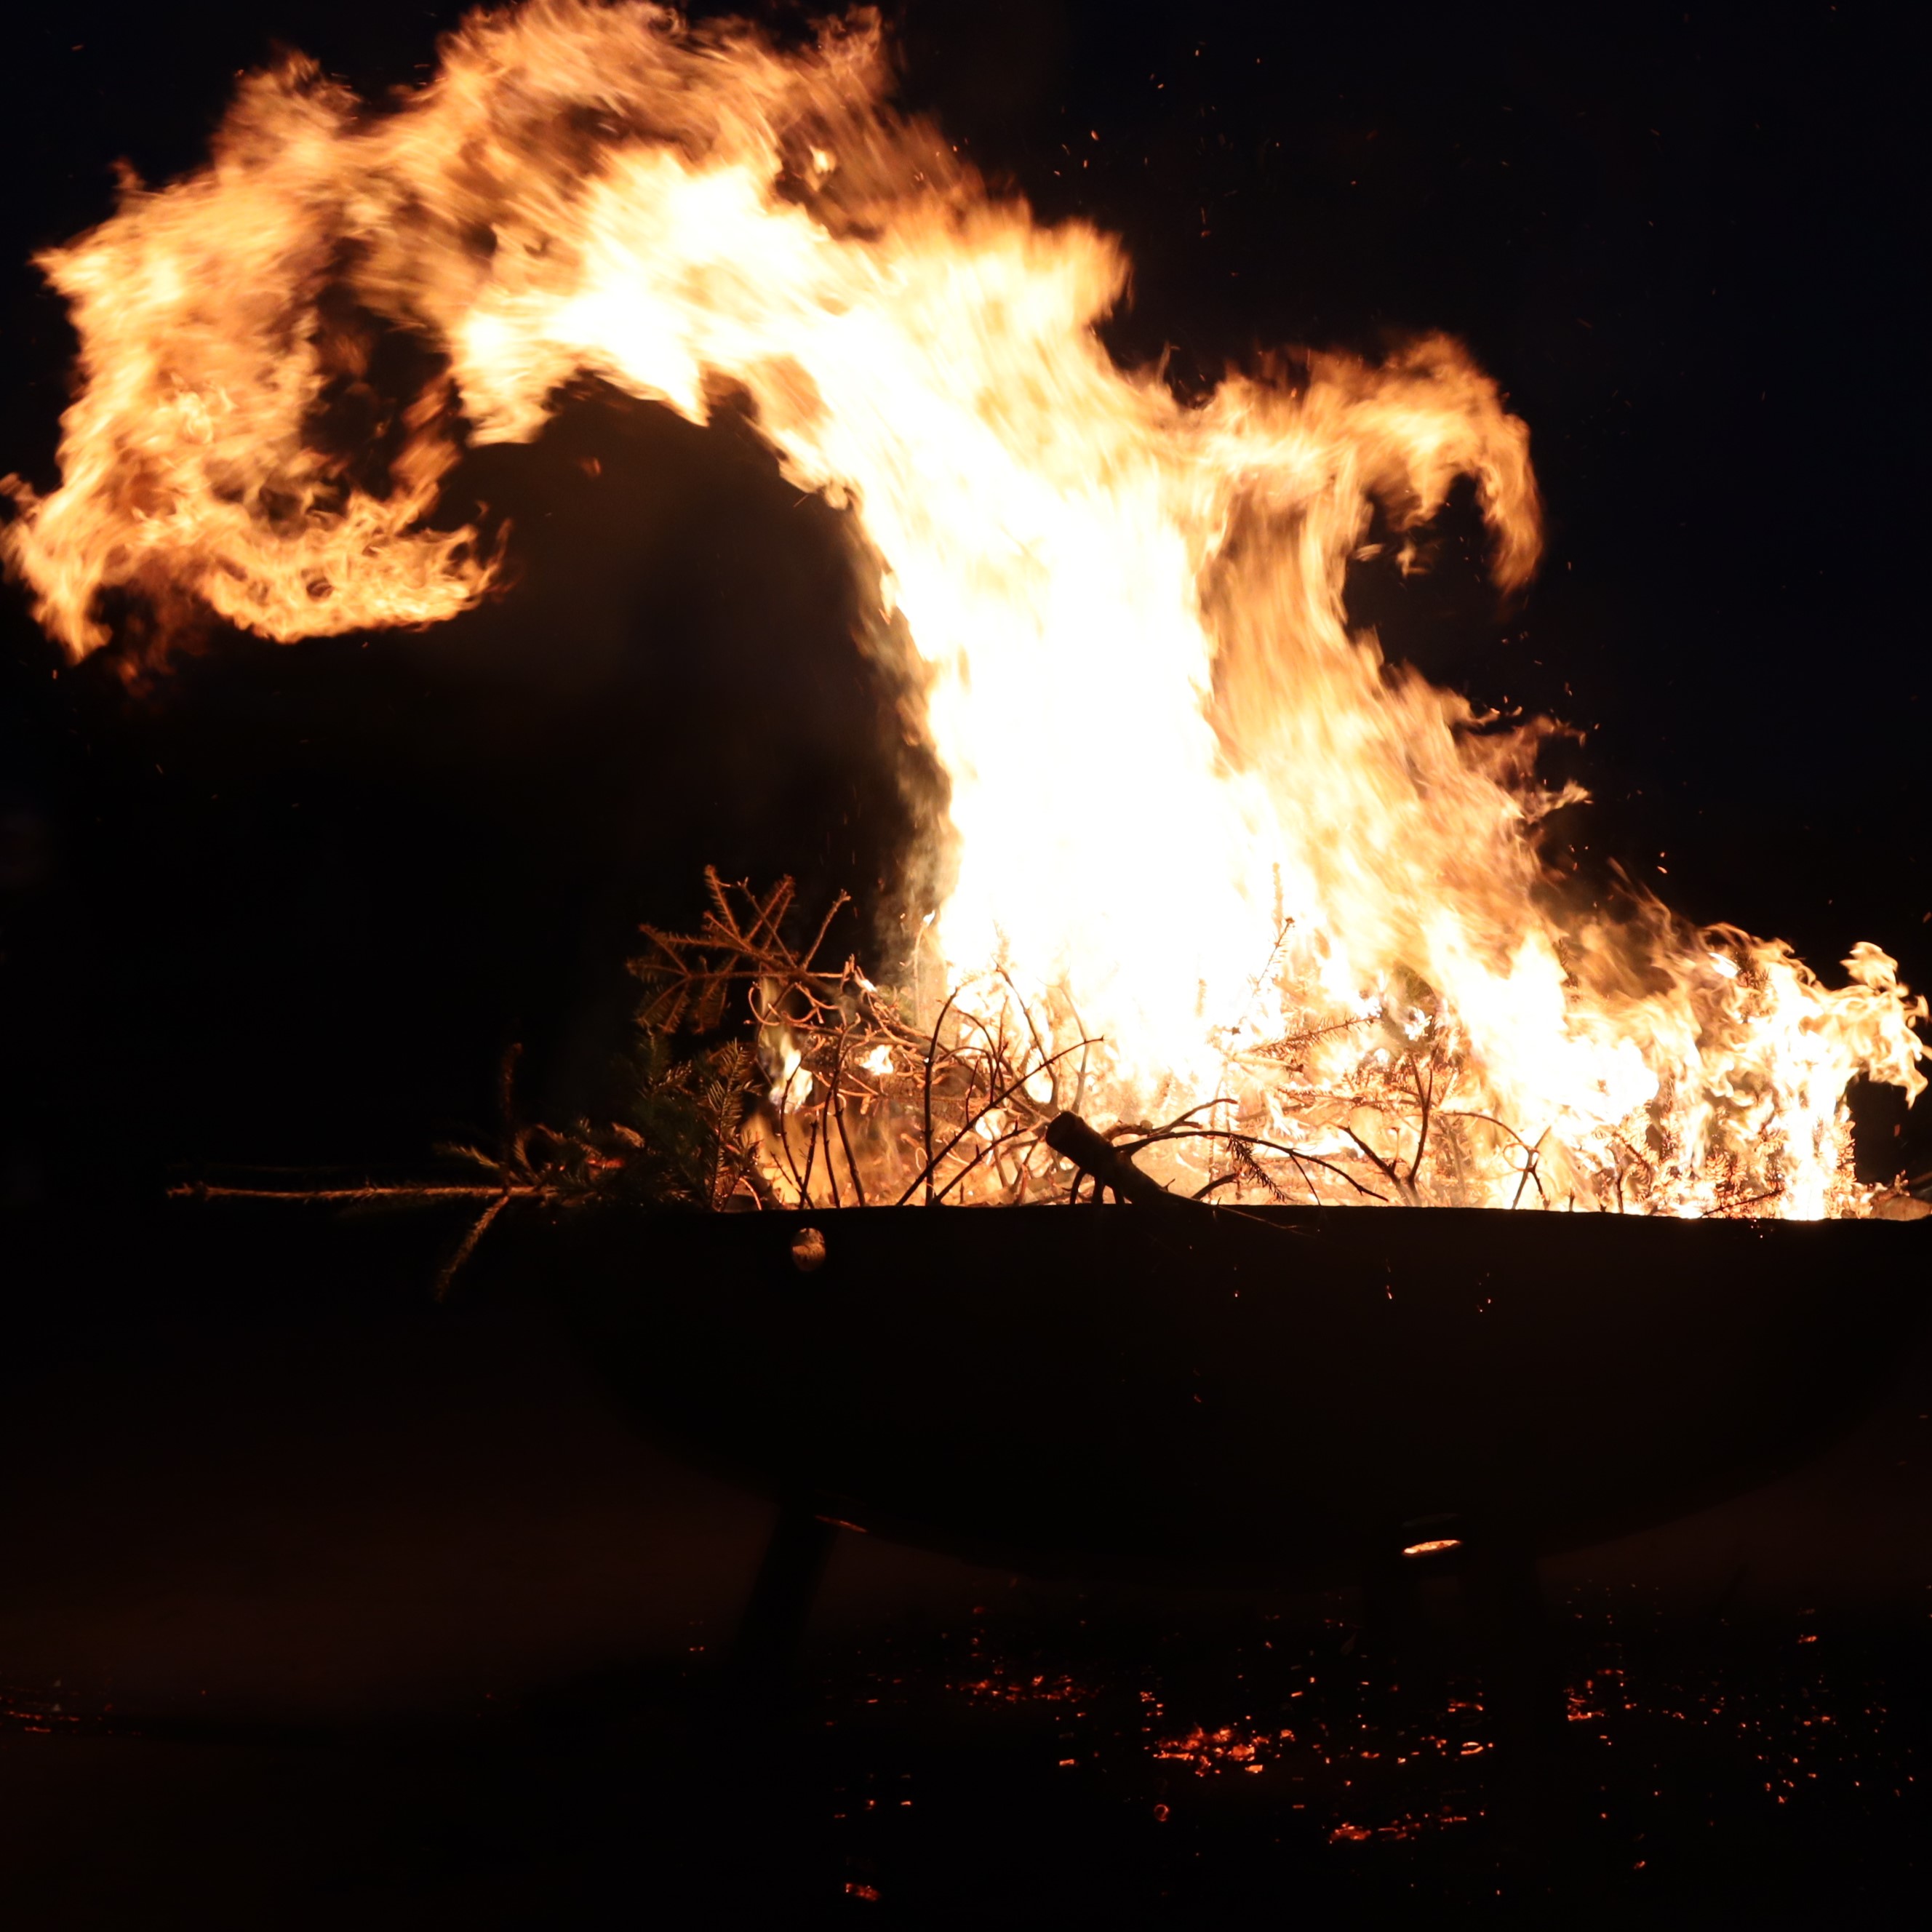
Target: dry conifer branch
column 764, row 1078
column 843, row 1096
column 407, row 1194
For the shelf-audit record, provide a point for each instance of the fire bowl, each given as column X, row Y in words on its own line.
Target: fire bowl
column 1220, row 1397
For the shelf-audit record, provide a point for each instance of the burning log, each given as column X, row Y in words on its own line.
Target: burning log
column 1069, row 1135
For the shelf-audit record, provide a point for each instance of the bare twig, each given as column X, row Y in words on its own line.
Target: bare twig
column 466, row 1247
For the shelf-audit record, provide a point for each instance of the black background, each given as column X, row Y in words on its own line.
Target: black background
column 289, row 904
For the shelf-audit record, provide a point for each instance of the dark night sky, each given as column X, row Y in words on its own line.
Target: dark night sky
column 290, row 904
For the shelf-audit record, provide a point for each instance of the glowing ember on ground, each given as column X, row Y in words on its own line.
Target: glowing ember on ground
column 1228, row 1746
column 1192, row 817
column 1680, row 1740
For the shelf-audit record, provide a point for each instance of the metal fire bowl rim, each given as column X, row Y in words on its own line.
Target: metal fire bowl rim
column 1203, row 1216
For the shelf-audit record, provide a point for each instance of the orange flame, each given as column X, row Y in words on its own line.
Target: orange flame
column 1191, row 813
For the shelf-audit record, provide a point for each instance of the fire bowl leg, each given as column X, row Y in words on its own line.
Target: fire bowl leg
column 1389, row 1639
column 1522, row 1691
column 1522, row 1684
column 1391, row 1608
column 773, row 1627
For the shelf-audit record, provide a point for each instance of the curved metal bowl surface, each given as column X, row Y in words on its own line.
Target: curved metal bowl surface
column 1239, row 1397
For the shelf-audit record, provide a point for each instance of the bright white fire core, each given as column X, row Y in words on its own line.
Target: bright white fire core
column 1191, row 813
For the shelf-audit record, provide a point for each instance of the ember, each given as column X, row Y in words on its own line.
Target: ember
column 1315, row 953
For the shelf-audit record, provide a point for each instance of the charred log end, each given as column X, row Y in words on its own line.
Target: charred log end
column 1069, row 1136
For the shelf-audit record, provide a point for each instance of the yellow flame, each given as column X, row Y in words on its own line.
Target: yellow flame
column 1191, row 814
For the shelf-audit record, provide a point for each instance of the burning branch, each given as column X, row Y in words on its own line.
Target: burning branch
column 764, row 1078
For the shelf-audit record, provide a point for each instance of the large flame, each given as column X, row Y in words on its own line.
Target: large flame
column 1190, row 812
